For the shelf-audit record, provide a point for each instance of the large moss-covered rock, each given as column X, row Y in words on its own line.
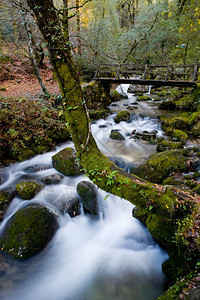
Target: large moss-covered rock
column 115, row 96
column 28, row 232
column 167, row 105
column 116, row 135
column 95, row 95
column 160, row 165
column 65, row 162
column 28, row 190
column 167, row 145
column 88, row 195
column 122, row 116
column 179, row 136
column 181, row 123
column 144, row 98
column 195, row 131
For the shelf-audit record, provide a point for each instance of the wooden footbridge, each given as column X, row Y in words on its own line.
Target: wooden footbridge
column 155, row 75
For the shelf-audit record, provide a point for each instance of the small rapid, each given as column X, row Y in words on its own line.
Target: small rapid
column 111, row 256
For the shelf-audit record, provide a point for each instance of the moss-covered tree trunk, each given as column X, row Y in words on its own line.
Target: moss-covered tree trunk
column 159, row 206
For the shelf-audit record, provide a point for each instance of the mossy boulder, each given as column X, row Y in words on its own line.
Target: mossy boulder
column 88, row 195
column 194, row 118
column 65, row 162
column 28, row 232
column 99, row 114
column 195, row 131
column 160, row 165
column 143, row 98
column 187, row 103
column 181, row 123
column 116, row 135
column 95, row 95
column 162, row 93
column 5, row 200
column 28, row 190
column 115, row 96
column 179, row 136
column 167, row 105
column 122, row 116
column 167, row 145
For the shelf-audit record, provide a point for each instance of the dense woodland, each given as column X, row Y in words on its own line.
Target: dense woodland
column 61, row 43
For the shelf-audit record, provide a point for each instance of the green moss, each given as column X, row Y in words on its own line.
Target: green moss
column 179, row 136
column 159, row 166
column 27, row 190
column 116, row 135
column 191, row 183
column 196, row 189
column 115, row 96
column 187, row 103
column 195, row 131
column 181, row 123
column 65, row 162
column 167, row 145
column 3, row 200
column 194, row 118
column 28, row 231
column 173, row 180
column 162, row 93
column 122, row 116
column 143, row 98
column 167, row 105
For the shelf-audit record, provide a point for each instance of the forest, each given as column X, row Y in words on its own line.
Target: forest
column 79, row 152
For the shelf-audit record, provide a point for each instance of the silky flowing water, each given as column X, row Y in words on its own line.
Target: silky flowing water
column 111, row 256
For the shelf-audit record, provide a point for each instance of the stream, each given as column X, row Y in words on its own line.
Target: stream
column 108, row 257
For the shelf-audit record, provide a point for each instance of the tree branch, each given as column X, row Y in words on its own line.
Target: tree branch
column 135, row 44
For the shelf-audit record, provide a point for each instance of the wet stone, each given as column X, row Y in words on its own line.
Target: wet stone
column 103, row 126
column 70, row 206
column 36, row 168
column 52, row 179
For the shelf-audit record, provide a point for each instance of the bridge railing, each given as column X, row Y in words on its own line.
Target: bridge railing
column 157, row 72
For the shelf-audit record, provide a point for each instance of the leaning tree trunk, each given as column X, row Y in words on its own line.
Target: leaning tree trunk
column 158, row 206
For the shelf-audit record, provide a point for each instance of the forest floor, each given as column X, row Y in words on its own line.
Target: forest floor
column 17, row 79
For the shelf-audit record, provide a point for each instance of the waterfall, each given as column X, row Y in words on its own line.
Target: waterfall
column 111, row 256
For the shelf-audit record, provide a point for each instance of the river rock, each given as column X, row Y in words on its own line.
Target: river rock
column 148, row 136
column 137, row 89
column 167, row 105
column 88, row 194
column 143, row 98
column 65, row 162
column 36, row 168
column 95, row 95
column 116, row 135
column 52, row 179
column 122, row 116
column 168, row 145
column 5, row 200
column 160, row 165
column 70, row 205
column 28, row 232
column 115, row 96
column 28, row 190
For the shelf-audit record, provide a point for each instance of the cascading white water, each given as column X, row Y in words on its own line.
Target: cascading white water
column 108, row 257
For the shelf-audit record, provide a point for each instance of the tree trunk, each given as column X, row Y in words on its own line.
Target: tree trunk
column 159, row 206
column 32, row 55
